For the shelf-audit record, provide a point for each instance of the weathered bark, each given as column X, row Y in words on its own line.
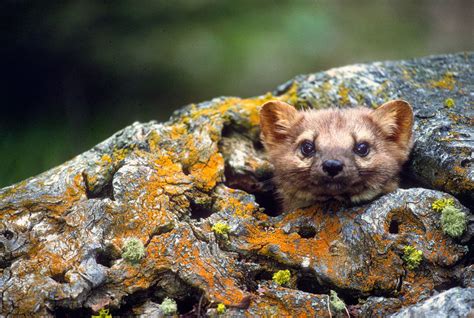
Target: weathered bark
column 62, row 232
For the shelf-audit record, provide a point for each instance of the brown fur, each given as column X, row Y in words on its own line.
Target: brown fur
column 301, row 180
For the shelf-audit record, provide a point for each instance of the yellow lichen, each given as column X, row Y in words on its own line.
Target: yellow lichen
column 282, row 277
column 343, row 92
column 440, row 204
column 220, row 309
column 446, row 82
column 449, row 103
column 221, row 228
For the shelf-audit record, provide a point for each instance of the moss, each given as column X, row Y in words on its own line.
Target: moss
column 449, row 103
column 221, row 228
column 412, row 257
column 440, row 204
column 103, row 313
column 336, row 302
column 282, row 277
column 453, row 221
column 133, row 250
column 221, row 309
column 168, row 306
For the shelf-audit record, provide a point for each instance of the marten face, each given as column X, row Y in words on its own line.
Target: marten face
column 352, row 154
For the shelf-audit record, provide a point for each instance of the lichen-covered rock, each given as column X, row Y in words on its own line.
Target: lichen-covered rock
column 62, row 233
column 456, row 302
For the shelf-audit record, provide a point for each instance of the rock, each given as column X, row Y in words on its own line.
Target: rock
column 455, row 302
column 62, row 232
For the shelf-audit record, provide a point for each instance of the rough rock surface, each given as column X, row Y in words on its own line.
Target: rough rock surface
column 167, row 184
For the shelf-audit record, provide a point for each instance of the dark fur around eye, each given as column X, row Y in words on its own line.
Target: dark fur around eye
column 362, row 149
column 307, row 148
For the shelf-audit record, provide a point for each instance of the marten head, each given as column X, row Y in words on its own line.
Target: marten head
column 347, row 154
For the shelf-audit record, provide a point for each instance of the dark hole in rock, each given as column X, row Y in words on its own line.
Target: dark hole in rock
column 394, row 226
column 185, row 169
column 200, row 211
column 263, row 190
column 255, row 277
column 61, row 312
column 4, row 261
column 307, row 231
column 60, row 278
column 105, row 191
column 258, row 145
column 466, row 163
column 188, row 306
column 308, row 283
column 131, row 301
column 105, row 258
column 8, row 234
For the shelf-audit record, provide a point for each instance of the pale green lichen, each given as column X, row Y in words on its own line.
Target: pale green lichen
column 103, row 313
column 169, row 306
column 453, row 221
column 282, row 277
column 440, row 204
column 412, row 257
column 221, row 228
column 220, row 309
column 336, row 302
column 133, row 250
column 449, row 103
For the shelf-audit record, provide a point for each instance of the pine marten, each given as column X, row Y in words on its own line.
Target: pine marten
column 351, row 155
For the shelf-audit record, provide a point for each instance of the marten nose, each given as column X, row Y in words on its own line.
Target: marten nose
column 332, row 167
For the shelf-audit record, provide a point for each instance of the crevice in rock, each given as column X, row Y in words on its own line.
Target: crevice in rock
column 403, row 220
column 309, row 283
column 59, row 277
column 200, row 211
column 106, row 257
column 104, row 191
column 4, row 261
column 307, row 231
column 8, row 234
column 394, row 227
column 62, row 312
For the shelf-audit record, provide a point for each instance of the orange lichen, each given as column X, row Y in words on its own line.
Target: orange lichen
column 206, row 175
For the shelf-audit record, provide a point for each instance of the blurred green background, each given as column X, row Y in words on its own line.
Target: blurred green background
column 74, row 72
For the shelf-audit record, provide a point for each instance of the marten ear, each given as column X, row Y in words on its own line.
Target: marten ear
column 395, row 118
column 276, row 118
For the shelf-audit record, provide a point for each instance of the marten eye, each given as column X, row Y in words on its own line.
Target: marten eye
column 307, row 148
column 362, row 149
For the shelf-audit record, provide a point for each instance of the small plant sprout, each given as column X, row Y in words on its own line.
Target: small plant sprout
column 336, row 302
column 440, row 204
column 168, row 306
column 453, row 221
column 220, row 309
column 103, row 313
column 133, row 250
column 449, row 103
column 282, row 277
column 222, row 229
column 412, row 257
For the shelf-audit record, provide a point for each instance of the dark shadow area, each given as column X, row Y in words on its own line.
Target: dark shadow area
column 200, row 211
column 61, row 312
column 104, row 191
column 307, row 231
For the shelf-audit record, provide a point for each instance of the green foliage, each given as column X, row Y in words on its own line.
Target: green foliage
column 282, row 277
column 169, row 306
column 133, row 250
column 221, row 228
column 336, row 302
column 440, row 204
column 453, row 221
column 221, row 309
column 103, row 313
column 449, row 103
column 412, row 257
